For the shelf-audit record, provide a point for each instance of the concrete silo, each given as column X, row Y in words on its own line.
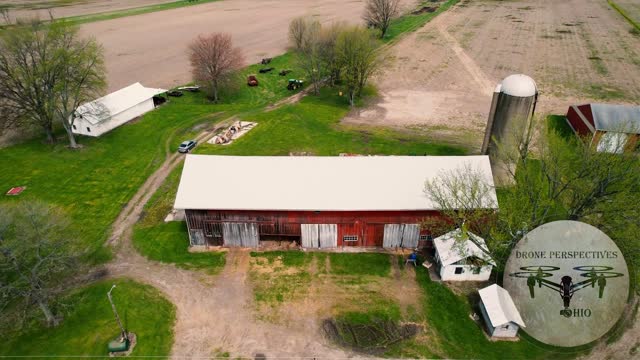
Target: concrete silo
column 512, row 107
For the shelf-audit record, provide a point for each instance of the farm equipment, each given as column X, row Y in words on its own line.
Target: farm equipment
column 265, row 61
column 252, row 80
column 265, row 70
column 294, row 84
column 284, row 72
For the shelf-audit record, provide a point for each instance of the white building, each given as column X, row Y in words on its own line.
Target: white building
column 108, row 112
column 499, row 312
column 461, row 260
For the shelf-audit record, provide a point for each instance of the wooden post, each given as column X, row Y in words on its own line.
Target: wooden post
column 115, row 312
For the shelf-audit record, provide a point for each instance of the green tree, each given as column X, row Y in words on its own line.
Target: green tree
column 37, row 254
column 46, row 72
column 359, row 58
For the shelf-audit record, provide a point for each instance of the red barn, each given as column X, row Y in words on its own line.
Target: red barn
column 319, row 202
column 608, row 128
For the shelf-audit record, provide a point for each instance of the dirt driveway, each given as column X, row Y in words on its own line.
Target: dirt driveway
column 443, row 75
column 150, row 48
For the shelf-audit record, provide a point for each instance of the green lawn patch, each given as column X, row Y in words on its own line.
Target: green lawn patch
column 373, row 264
column 313, row 125
column 90, row 324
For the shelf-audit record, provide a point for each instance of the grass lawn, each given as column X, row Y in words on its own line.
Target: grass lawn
column 410, row 22
column 90, row 325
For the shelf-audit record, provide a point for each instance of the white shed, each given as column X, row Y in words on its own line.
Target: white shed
column 462, row 260
column 499, row 312
column 108, row 112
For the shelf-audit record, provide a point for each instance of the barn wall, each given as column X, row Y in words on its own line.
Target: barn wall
column 577, row 123
column 115, row 121
column 368, row 226
column 447, row 273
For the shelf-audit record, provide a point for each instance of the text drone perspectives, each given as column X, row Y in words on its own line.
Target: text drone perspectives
column 279, row 179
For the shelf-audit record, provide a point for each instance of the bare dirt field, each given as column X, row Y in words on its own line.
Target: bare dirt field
column 151, row 48
column 631, row 8
column 443, row 75
column 41, row 8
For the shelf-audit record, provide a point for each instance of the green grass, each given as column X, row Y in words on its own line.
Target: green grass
column 409, row 22
column 373, row 264
column 624, row 14
column 90, row 325
column 169, row 242
column 313, row 125
column 454, row 335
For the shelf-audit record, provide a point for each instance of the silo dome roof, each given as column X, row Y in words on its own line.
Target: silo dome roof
column 519, row 85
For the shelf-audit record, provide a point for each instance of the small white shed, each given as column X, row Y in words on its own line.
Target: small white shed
column 108, row 112
column 499, row 312
column 461, row 260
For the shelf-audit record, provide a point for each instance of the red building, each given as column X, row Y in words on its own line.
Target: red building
column 320, row 202
column 608, row 128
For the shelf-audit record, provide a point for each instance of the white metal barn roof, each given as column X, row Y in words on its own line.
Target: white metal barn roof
column 316, row 183
column 616, row 118
column 450, row 252
column 116, row 102
column 500, row 306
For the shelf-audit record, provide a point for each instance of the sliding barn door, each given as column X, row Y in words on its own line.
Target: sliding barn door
column 240, row 234
column 401, row 235
column 319, row 236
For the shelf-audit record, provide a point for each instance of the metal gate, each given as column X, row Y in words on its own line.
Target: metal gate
column 319, row 235
column 401, row 235
column 240, row 234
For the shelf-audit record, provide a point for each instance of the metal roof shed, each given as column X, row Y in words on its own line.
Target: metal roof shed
column 608, row 127
column 500, row 313
column 453, row 254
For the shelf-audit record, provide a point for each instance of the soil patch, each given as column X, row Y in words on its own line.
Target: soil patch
column 372, row 338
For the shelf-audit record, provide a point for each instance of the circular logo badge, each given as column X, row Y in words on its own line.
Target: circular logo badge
column 569, row 282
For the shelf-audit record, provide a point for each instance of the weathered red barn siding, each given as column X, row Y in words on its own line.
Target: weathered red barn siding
column 576, row 121
column 367, row 225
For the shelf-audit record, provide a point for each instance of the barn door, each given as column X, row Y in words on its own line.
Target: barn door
column 240, row 234
column 319, row 235
column 401, row 235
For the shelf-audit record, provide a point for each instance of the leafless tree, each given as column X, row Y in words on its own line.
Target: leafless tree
column 379, row 13
column 359, row 58
column 36, row 256
column 214, row 60
column 46, row 72
column 299, row 29
column 305, row 37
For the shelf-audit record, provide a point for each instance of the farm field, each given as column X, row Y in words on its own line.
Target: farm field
column 151, row 48
column 631, row 8
column 66, row 8
column 444, row 74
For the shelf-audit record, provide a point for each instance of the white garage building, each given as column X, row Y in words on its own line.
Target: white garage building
column 461, row 260
column 499, row 312
column 110, row 111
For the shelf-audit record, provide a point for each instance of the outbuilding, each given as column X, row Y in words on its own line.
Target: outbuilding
column 499, row 312
column 318, row 202
column 608, row 128
column 108, row 112
column 458, row 258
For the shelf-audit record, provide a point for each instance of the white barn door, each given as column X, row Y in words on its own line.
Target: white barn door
column 401, row 235
column 319, row 235
column 240, row 234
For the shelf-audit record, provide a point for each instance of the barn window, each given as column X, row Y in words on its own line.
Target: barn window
column 425, row 237
column 459, row 270
column 350, row 238
column 88, row 129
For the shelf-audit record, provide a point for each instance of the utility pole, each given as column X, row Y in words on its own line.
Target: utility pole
column 124, row 335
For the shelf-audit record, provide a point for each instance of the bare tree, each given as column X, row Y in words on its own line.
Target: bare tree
column 46, row 72
column 214, row 60
column 36, row 255
column 379, row 13
column 359, row 58
column 305, row 36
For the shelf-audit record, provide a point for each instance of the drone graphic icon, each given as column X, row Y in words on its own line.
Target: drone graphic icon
column 595, row 274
